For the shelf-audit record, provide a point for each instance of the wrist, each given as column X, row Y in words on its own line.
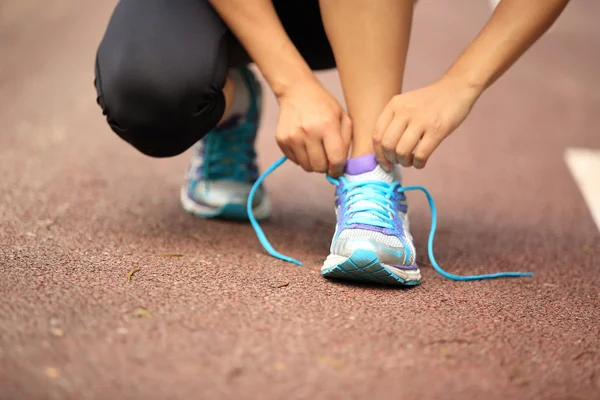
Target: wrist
column 467, row 88
column 286, row 82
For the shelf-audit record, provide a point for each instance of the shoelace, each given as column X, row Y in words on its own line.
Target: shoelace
column 267, row 246
column 369, row 202
column 229, row 154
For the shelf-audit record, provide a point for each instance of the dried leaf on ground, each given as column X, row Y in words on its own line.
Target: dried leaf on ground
column 331, row 362
column 519, row 377
column 196, row 237
column 589, row 250
column 170, row 255
column 234, row 372
column 130, row 273
column 142, row 313
column 583, row 354
column 450, row 341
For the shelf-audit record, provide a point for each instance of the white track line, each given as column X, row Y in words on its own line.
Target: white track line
column 584, row 164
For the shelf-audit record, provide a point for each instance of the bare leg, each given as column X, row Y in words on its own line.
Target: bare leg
column 229, row 93
column 370, row 41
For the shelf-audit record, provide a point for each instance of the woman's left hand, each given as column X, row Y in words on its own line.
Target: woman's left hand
column 413, row 124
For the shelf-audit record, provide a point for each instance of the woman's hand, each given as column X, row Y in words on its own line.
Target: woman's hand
column 314, row 130
column 413, row 124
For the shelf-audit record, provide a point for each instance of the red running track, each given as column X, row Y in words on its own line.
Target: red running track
column 79, row 209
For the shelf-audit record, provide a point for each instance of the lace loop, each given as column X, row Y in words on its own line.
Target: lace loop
column 229, row 154
column 267, row 246
column 369, row 203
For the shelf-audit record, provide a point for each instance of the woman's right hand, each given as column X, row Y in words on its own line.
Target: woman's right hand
column 313, row 130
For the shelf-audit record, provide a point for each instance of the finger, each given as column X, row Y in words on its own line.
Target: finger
column 424, row 149
column 407, row 144
column 287, row 151
column 380, row 127
column 391, row 137
column 298, row 147
column 316, row 156
column 336, row 147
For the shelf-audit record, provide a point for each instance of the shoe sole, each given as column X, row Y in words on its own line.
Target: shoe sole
column 231, row 211
column 365, row 266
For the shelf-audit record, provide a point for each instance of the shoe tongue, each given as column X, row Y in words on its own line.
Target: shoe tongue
column 366, row 168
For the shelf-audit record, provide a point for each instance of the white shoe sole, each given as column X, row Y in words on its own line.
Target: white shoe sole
column 365, row 266
column 236, row 211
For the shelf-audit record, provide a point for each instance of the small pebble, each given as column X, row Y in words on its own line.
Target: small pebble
column 279, row 366
column 57, row 332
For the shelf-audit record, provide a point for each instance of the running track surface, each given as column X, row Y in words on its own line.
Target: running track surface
column 79, row 209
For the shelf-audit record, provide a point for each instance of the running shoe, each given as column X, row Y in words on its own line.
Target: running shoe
column 223, row 167
column 372, row 241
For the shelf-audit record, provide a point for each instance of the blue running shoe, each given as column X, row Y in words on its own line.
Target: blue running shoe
column 223, row 167
column 372, row 242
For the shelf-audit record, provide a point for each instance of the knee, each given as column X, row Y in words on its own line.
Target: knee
column 161, row 113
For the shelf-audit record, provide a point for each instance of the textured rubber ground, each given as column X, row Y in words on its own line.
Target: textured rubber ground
column 364, row 266
column 81, row 210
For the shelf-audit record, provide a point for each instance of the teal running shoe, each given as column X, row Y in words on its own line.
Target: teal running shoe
column 223, row 166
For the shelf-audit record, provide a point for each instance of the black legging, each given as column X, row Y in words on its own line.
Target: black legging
column 162, row 64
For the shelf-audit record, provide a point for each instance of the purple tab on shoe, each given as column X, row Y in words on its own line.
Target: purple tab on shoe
column 360, row 165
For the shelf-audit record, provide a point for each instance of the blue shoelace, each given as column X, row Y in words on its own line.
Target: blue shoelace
column 381, row 206
column 229, row 154
column 377, row 206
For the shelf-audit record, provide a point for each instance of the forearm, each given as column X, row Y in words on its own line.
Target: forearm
column 257, row 26
column 512, row 29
